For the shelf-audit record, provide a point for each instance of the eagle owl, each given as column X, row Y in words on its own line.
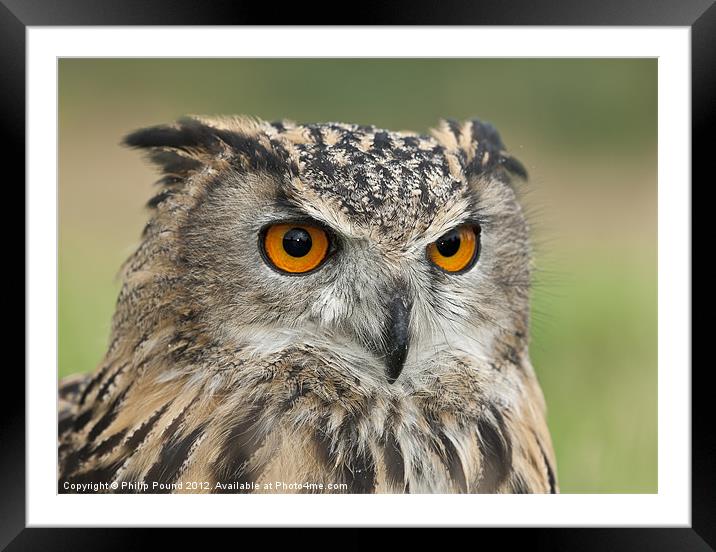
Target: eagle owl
column 318, row 308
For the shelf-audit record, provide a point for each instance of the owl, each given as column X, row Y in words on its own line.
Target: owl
column 318, row 308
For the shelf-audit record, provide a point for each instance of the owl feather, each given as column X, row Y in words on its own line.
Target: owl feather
column 376, row 372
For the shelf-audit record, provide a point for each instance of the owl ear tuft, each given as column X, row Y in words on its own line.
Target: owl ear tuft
column 187, row 134
column 177, row 149
column 193, row 143
column 480, row 147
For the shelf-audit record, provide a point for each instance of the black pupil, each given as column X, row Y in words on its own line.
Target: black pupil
column 449, row 244
column 297, row 242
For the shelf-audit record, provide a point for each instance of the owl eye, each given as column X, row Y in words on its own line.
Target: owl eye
column 456, row 251
column 295, row 248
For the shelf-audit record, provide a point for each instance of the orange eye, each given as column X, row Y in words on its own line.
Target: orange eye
column 295, row 248
column 457, row 250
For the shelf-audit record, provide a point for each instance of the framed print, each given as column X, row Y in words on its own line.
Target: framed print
column 399, row 274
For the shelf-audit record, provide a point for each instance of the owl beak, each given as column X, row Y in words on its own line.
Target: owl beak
column 397, row 336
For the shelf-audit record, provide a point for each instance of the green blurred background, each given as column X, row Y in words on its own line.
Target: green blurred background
column 586, row 129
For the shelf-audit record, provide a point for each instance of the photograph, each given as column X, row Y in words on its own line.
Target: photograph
column 423, row 275
column 430, row 267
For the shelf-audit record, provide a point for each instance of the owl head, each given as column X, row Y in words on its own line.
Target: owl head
column 390, row 254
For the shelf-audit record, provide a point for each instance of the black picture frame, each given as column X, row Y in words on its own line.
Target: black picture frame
column 16, row 15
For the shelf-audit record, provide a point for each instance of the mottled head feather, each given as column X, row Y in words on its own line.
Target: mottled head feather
column 325, row 154
column 373, row 175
